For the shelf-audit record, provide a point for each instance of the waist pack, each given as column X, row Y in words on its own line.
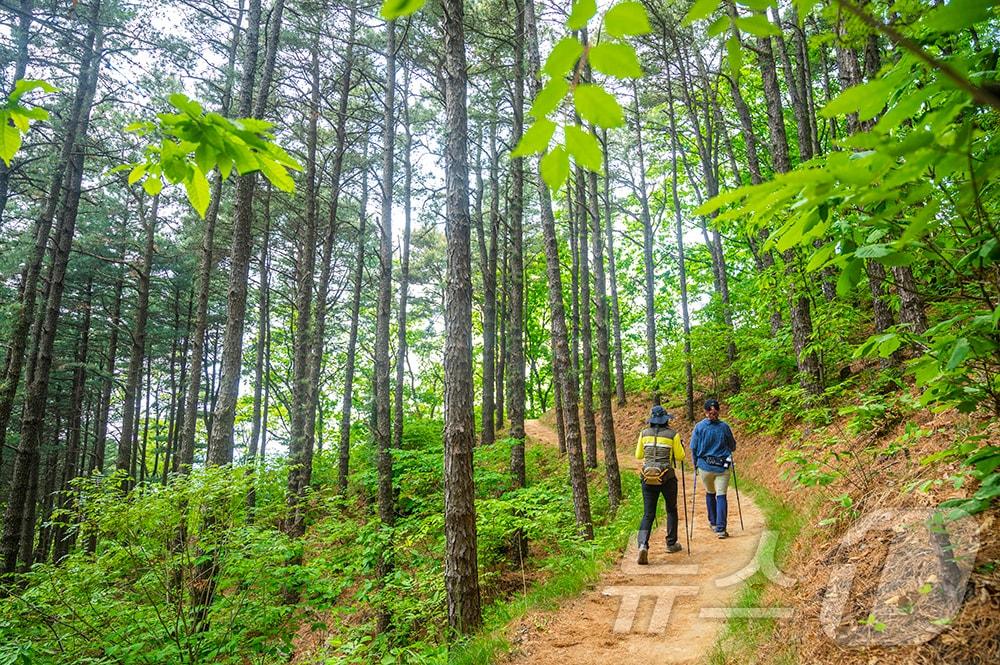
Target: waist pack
column 724, row 462
column 655, row 474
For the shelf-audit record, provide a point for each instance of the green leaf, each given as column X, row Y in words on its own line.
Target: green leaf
column 957, row 15
column 548, row 98
column 701, row 9
column 19, row 119
column 277, row 174
column 564, row 55
column 197, row 191
column 136, row 174
column 735, row 55
column 718, row 26
column 849, row 278
column 757, row 25
column 958, row 353
column 25, row 85
column 597, row 106
column 10, row 142
column 392, row 9
column 584, row 147
column 627, row 18
column 536, row 139
column 583, row 11
column 618, row 60
column 555, row 168
column 152, row 185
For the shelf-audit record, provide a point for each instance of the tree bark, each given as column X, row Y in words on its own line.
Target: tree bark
column 26, row 460
column 185, row 457
column 461, row 576
column 299, row 453
column 608, row 444
column 586, row 338
column 808, row 362
column 220, row 445
column 647, row 247
column 515, row 318
column 344, row 454
column 138, row 352
column 404, row 266
column 561, row 366
column 613, row 275
column 63, row 540
column 682, row 271
column 23, row 36
column 383, row 433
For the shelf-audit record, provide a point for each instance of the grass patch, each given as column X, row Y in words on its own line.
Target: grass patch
column 740, row 639
column 571, row 575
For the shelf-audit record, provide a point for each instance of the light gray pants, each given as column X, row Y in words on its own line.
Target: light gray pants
column 714, row 483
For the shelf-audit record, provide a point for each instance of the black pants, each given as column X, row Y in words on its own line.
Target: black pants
column 650, row 497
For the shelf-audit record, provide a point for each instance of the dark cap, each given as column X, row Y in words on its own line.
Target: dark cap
column 712, row 402
column 659, row 416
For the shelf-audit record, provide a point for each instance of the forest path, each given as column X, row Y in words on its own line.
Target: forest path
column 669, row 611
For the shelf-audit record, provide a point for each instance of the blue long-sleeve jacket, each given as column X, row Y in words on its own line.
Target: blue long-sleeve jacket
column 712, row 438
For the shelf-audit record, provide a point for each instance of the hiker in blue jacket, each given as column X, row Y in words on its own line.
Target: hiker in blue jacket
column 712, row 446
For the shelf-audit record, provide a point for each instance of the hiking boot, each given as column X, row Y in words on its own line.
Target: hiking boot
column 722, row 534
column 643, row 555
column 672, row 549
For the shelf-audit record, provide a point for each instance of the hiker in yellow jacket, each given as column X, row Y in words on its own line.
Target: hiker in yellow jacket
column 659, row 447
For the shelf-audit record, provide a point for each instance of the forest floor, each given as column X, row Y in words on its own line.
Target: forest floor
column 668, row 611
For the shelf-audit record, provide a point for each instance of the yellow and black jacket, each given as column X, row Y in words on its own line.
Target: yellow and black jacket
column 659, row 445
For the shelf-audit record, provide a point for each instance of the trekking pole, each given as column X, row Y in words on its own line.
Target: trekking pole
column 736, row 486
column 694, row 495
column 687, row 526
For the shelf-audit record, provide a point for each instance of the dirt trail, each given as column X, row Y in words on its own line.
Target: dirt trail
column 669, row 611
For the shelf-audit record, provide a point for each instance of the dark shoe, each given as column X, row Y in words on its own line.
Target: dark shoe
column 676, row 547
column 643, row 555
column 723, row 534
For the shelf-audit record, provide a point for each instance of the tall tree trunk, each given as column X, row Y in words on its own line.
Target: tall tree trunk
column 515, row 343
column 679, row 234
column 185, row 457
column 613, row 275
column 137, row 355
column 344, row 453
column 299, row 453
column 461, row 575
column 799, row 306
column 586, row 337
column 608, row 443
column 911, row 309
column 63, row 539
column 647, row 247
column 26, row 315
column 48, row 498
column 263, row 309
column 574, row 272
column 561, row 366
column 26, row 460
column 404, row 267
column 220, row 445
column 383, row 433
column 488, row 260
column 23, row 36
column 323, row 289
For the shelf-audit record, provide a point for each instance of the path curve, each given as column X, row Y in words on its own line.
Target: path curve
column 669, row 611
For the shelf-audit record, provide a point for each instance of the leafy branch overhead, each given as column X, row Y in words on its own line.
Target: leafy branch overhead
column 591, row 102
column 16, row 118
column 192, row 143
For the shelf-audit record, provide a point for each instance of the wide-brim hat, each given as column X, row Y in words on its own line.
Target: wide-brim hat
column 659, row 416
